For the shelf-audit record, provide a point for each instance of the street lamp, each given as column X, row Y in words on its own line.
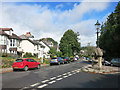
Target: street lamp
column 97, row 25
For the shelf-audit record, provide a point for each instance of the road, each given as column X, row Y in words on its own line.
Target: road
column 59, row 76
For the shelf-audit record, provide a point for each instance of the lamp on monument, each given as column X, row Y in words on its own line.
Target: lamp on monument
column 97, row 25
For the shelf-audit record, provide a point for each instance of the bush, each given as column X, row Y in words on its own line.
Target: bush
column 28, row 55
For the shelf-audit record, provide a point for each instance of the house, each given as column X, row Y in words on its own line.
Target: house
column 31, row 46
column 46, row 49
column 9, row 42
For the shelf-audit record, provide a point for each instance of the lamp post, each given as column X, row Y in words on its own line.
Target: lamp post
column 98, row 50
column 97, row 25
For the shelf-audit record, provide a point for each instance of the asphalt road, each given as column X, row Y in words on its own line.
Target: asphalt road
column 59, row 76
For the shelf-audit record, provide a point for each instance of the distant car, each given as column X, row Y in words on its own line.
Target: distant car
column 115, row 62
column 72, row 59
column 66, row 59
column 56, row 60
column 106, row 63
column 25, row 64
column 89, row 59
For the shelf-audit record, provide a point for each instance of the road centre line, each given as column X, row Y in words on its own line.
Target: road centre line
column 65, row 76
column 59, row 76
column 51, row 82
column 59, row 79
column 64, row 73
column 45, row 81
column 41, row 86
column 35, row 84
column 52, row 78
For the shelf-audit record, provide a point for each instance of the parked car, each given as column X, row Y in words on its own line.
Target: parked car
column 115, row 62
column 89, row 59
column 106, row 63
column 72, row 59
column 56, row 60
column 25, row 64
column 66, row 59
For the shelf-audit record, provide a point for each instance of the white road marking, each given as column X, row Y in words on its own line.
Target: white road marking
column 65, row 76
column 59, row 79
column 69, row 74
column 51, row 82
column 59, row 76
column 73, row 71
column 52, row 78
column 64, row 73
column 42, row 86
column 45, row 81
column 35, row 84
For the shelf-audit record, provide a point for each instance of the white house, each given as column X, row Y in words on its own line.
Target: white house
column 31, row 46
column 46, row 50
column 9, row 42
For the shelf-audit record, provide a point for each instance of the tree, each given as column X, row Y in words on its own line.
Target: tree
column 110, row 34
column 50, row 39
column 69, row 43
column 54, row 52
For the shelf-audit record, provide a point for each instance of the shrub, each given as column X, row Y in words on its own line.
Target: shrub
column 27, row 55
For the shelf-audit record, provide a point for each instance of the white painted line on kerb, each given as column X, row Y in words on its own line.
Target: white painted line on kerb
column 45, row 81
column 65, row 76
column 52, row 78
column 42, row 86
column 59, row 79
column 35, row 84
column 51, row 82
column 59, row 76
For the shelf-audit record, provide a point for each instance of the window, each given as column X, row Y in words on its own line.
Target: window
column 13, row 42
column 10, row 42
column 19, row 60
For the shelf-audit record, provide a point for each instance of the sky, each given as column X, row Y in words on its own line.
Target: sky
column 53, row 19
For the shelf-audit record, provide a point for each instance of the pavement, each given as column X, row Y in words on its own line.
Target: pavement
column 5, row 70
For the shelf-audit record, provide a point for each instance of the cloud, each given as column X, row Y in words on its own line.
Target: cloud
column 41, row 21
column 60, row 6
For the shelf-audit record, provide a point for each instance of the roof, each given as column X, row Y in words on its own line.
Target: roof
column 23, row 37
column 3, row 33
column 46, row 44
column 14, row 36
column 6, row 29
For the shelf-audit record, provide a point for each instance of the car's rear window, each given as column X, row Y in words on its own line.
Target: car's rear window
column 19, row 60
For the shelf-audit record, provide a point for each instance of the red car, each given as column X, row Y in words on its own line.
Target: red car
column 25, row 64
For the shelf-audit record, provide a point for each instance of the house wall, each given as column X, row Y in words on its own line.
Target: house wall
column 3, row 43
column 27, row 46
column 45, row 50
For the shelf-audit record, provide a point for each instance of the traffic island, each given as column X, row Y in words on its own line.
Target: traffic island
column 103, row 70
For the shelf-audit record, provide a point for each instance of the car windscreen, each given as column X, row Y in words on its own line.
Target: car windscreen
column 54, row 58
column 19, row 60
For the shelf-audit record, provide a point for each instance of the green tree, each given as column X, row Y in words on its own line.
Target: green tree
column 110, row 34
column 54, row 52
column 69, row 43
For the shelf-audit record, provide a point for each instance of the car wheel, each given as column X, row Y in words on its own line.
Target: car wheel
column 14, row 70
column 50, row 64
column 38, row 67
column 26, row 68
